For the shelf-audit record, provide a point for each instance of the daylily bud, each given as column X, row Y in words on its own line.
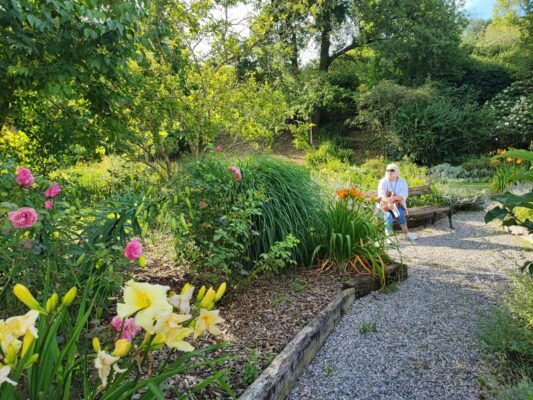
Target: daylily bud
column 122, row 347
column 24, row 295
column 208, row 298
column 201, row 293
column 142, row 261
column 11, row 355
column 32, row 360
column 51, row 303
column 26, row 343
column 96, row 344
column 69, row 297
column 186, row 287
column 220, row 292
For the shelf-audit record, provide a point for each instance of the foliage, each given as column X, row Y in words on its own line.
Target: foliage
column 327, row 151
column 513, row 111
column 237, row 222
column 278, row 257
column 440, row 130
column 353, row 237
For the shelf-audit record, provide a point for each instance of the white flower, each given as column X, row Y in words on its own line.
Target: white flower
column 4, row 372
column 182, row 301
column 103, row 363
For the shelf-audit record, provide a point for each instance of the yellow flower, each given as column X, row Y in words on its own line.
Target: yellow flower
column 26, row 343
column 220, row 291
column 208, row 298
column 182, row 301
column 24, row 295
column 96, row 344
column 207, row 322
column 122, row 347
column 23, row 324
column 147, row 300
column 200, row 294
column 7, row 338
column 51, row 303
column 4, row 372
column 69, row 297
column 103, row 363
column 170, row 331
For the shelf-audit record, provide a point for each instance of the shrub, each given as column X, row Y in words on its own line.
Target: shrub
column 446, row 171
column 513, row 112
column 327, row 151
column 236, row 222
column 432, row 132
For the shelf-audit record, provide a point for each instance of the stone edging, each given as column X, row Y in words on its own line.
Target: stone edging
column 276, row 381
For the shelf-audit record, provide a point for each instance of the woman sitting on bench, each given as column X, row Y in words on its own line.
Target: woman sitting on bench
column 392, row 194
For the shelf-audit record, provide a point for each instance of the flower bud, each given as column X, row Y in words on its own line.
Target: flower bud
column 51, row 303
column 26, row 343
column 201, row 293
column 122, row 347
column 186, row 287
column 142, row 261
column 220, row 291
column 23, row 294
column 96, row 344
column 69, row 297
column 32, row 360
column 208, row 298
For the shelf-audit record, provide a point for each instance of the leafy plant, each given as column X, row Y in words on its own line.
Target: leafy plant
column 368, row 327
column 278, row 258
column 251, row 369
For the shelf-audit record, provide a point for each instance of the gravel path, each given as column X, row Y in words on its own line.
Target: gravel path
column 420, row 341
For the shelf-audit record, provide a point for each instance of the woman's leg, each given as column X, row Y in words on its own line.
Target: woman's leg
column 389, row 218
column 402, row 221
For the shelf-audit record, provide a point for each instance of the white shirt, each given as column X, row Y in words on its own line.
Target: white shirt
column 399, row 187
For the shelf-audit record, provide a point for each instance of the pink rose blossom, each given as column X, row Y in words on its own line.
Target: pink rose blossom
column 133, row 249
column 53, row 190
column 48, row 204
column 219, row 148
column 25, row 178
column 130, row 328
column 23, row 218
column 236, row 172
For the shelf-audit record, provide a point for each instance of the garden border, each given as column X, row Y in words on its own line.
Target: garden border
column 276, row 381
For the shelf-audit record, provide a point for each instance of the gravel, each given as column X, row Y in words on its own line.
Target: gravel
column 420, row 342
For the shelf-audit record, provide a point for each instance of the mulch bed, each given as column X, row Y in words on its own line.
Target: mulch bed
column 261, row 319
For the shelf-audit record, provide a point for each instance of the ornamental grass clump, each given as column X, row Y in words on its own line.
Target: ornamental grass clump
column 353, row 237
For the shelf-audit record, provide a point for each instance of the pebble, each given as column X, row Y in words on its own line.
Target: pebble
column 426, row 344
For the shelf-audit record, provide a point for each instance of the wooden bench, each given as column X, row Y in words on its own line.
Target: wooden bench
column 428, row 211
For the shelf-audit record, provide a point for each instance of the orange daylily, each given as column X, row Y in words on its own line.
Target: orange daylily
column 342, row 193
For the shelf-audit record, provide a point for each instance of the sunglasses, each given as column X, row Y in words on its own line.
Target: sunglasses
column 391, row 170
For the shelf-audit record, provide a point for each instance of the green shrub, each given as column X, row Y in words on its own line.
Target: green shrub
column 523, row 390
column 432, row 132
column 446, row 171
column 99, row 180
column 507, row 175
column 326, row 152
column 237, row 224
column 481, row 168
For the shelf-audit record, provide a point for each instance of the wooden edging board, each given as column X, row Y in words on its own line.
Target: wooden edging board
column 276, row 381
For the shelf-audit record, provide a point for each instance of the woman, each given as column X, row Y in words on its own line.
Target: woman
column 392, row 194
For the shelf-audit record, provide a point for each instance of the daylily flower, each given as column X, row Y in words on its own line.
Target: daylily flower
column 182, row 301
column 23, row 324
column 207, row 322
column 170, row 331
column 147, row 301
column 8, row 338
column 103, row 363
column 4, row 372
column 342, row 193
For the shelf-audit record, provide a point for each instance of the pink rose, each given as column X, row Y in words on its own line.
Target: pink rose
column 48, row 204
column 130, row 329
column 23, row 218
column 219, row 148
column 53, row 190
column 236, row 172
column 133, row 249
column 25, row 178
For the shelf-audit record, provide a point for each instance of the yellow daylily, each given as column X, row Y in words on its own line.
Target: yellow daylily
column 208, row 298
column 7, row 337
column 122, row 347
column 24, row 295
column 220, row 291
column 147, row 301
column 170, row 331
column 69, row 297
column 207, row 321
column 182, row 301
column 51, row 303
column 20, row 325
column 26, row 343
column 103, row 363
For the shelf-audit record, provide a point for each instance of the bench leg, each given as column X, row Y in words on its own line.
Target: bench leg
column 450, row 219
column 434, row 218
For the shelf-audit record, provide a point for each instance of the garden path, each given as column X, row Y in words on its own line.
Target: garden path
column 420, row 342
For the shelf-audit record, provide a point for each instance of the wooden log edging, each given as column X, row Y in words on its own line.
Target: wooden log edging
column 276, row 381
